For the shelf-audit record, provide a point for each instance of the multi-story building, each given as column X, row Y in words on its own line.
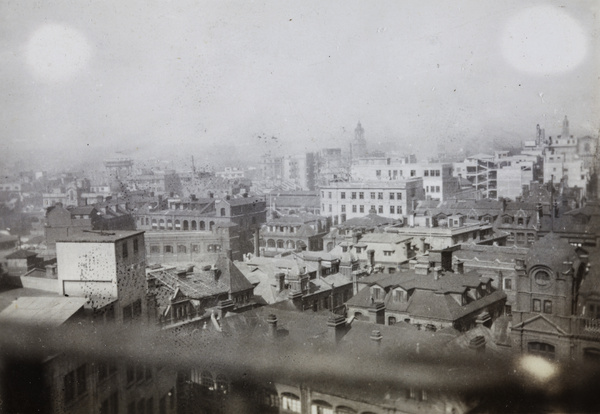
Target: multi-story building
column 185, row 246
column 556, row 310
column 294, row 232
column 430, row 297
column 248, row 213
column 394, row 199
column 438, row 181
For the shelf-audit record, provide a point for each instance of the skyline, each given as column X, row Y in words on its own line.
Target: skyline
column 174, row 79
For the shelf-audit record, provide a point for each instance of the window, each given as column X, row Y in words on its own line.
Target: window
column 361, row 195
column 168, row 249
column 330, row 208
column 125, row 252
column 343, row 195
column 195, row 248
column 530, row 238
column 399, row 296
column 343, row 209
column 398, row 209
column 372, row 196
column 398, row 196
column 391, row 196
column 362, row 208
column 380, row 210
column 181, row 248
column 387, row 253
column 354, row 209
column 378, row 173
column 537, row 305
column 413, row 173
column 290, row 402
column 542, row 349
column 547, row 306
column 135, row 246
column 392, row 210
column 507, row 284
column 155, row 249
column 111, row 404
column 437, row 173
column 426, row 173
column 437, row 188
column 380, row 196
column 508, row 310
column 75, row 383
column 353, row 195
column 358, row 250
column 542, row 277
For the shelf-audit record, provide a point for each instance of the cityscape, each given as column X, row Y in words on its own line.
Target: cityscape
column 416, row 250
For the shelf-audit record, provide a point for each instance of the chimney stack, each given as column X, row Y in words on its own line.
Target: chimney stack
column 437, row 272
column 223, row 307
column 272, row 321
column 296, row 297
column 216, row 273
column 377, row 313
column 376, row 337
column 336, row 327
column 371, row 257
column 477, row 344
column 279, row 281
column 319, row 268
column 256, row 243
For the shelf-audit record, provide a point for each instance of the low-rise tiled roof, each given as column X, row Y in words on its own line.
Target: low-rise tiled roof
column 21, row 254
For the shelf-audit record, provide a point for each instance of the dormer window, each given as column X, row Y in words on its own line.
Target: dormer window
column 520, row 221
column 344, row 249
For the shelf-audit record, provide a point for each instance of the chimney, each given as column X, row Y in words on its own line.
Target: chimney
column 256, row 243
column 376, row 337
column 460, row 267
column 371, row 257
column 216, row 273
column 477, row 344
column 422, row 244
column 296, row 297
column 437, row 272
column 355, row 237
column 272, row 321
column 279, row 281
column 377, row 313
column 319, row 268
column 336, row 327
column 223, row 307
column 51, row 271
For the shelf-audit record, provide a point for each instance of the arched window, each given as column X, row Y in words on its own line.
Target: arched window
column 271, row 243
column 194, row 225
column 161, row 224
column 329, row 246
column 202, row 225
column 280, row 244
column 344, row 410
column 222, row 212
column 181, row 248
column 169, row 224
column 542, row 349
column 177, row 225
column 301, row 245
column 291, row 402
column 542, row 277
column 154, row 224
column 186, row 225
column 211, row 225
column 147, row 221
column 358, row 315
column 290, row 244
column 321, row 407
column 391, row 320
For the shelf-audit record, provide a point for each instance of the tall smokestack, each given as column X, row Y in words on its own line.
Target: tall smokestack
column 256, row 243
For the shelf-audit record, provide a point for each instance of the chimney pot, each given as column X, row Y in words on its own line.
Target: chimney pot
column 272, row 321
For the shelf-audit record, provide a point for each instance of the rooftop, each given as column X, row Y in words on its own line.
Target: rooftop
column 100, row 236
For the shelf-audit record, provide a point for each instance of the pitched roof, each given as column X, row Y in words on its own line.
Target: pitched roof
column 21, row 254
column 46, row 311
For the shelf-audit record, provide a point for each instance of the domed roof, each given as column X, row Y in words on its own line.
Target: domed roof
column 551, row 251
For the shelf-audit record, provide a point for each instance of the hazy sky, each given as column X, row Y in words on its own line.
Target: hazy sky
column 153, row 78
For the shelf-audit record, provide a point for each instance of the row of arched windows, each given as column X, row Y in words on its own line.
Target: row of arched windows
column 169, row 224
column 287, row 244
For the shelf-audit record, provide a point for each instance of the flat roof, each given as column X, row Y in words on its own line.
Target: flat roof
column 99, row 236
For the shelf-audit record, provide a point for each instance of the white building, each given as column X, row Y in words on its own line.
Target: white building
column 395, row 199
column 105, row 267
column 438, row 182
